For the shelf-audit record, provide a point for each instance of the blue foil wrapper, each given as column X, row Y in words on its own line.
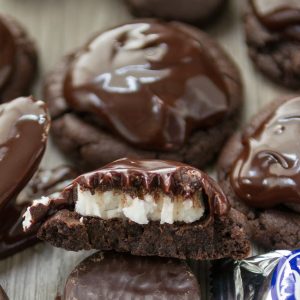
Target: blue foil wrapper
column 270, row 276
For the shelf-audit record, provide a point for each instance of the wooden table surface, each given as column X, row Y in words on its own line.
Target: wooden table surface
column 59, row 26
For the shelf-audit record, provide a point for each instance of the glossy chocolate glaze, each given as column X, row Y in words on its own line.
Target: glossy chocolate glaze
column 150, row 82
column 146, row 176
column 139, row 177
column 7, row 54
column 24, row 127
column 3, row 295
column 267, row 172
column 122, row 276
column 281, row 15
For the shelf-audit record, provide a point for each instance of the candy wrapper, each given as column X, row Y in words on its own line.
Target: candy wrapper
column 270, row 276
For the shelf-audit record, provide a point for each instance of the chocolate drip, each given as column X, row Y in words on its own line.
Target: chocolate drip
column 144, row 174
column 142, row 177
column 7, row 54
column 147, row 176
column 280, row 15
column 267, row 171
column 150, row 82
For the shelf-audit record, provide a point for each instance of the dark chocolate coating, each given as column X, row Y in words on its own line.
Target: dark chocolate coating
column 111, row 275
column 190, row 11
column 147, row 175
column 3, row 295
column 24, row 125
column 140, row 177
column 267, row 170
column 45, row 182
column 18, row 60
column 272, row 228
column 24, row 128
column 150, row 82
column 85, row 138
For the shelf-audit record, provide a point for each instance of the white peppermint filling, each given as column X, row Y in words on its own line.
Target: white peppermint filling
column 115, row 204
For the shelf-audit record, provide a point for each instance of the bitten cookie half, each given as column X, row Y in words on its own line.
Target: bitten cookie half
column 259, row 173
column 145, row 207
column 146, row 89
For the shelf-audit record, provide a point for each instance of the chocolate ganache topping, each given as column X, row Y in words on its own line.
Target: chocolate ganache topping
column 24, row 127
column 267, row 171
column 149, row 175
column 136, row 177
column 7, row 54
column 281, row 15
column 151, row 82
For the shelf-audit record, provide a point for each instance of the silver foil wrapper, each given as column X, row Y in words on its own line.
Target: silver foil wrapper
column 270, row 276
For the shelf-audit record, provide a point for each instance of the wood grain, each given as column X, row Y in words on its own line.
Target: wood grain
column 59, row 26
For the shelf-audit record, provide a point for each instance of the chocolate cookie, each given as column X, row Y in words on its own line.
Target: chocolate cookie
column 146, row 89
column 146, row 207
column 24, row 127
column 259, row 172
column 190, row 11
column 121, row 276
column 18, row 60
column 273, row 39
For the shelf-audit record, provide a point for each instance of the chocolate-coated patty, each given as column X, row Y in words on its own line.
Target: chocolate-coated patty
column 266, row 178
column 274, row 48
column 18, row 60
column 190, row 11
column 87, row 135
column 111, row 275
